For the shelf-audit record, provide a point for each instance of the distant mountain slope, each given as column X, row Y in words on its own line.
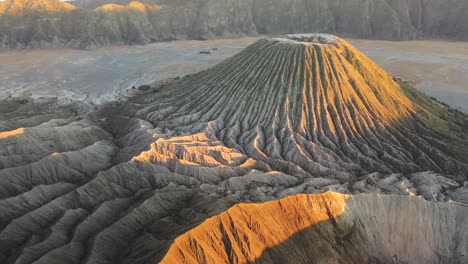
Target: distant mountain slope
column 15, row 7
column 92, row 4
column 37, row 23
column 199, row 19
column 52, row 23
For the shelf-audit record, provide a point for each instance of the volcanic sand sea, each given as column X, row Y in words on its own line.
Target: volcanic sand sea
column 438, row 68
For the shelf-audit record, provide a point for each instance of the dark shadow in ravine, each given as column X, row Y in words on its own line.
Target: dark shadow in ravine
column 380, row 229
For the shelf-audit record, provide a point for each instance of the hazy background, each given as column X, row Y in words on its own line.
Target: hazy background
column 79, row 50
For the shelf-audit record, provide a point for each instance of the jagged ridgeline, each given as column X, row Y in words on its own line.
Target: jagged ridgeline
column 310, row 105
column 54, row 23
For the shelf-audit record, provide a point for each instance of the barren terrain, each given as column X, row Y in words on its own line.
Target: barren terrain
column 98, row 75
column 437, row 68
column 296, row 114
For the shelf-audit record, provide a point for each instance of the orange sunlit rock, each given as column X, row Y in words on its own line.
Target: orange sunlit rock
column 12, row 133
column 16, row 7
column 132, row 5
column 329, row 228
column 252, row 228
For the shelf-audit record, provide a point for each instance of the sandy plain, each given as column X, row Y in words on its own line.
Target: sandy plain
column 437, row 68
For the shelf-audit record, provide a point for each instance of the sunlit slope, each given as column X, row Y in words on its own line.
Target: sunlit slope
column 92, row 4
column 329, row 228
column 56, row 24
column 314, row 106
column 288, row 115
column 204, row 19
column 35, row 23
column 22, row 7
column 132, row 5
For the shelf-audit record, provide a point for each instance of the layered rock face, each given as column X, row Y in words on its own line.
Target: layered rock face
column 288, row 115
column 45, row 26
column 56, row 24
column 330, row 228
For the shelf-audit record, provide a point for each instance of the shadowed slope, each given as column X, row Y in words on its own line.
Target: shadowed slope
column 329, row 228
column 54, row 23
column 36, row 23
column 314, row 107
column 246, row 230
column 289, row 115
column 202, row 19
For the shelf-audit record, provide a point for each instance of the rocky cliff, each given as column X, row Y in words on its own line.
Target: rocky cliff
column 58, row 24
column 200, row 19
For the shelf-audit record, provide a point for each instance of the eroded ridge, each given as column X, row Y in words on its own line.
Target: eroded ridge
column 119, row 185
column 313, row 110
column 329, row 228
